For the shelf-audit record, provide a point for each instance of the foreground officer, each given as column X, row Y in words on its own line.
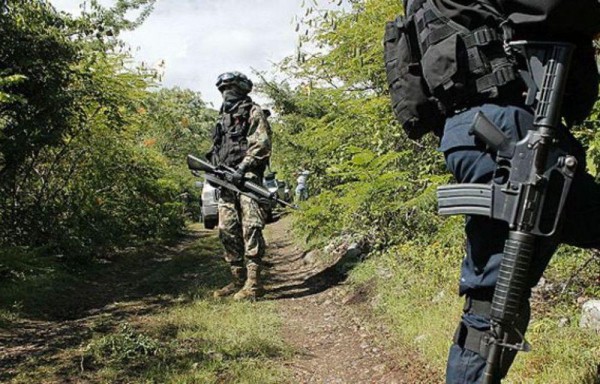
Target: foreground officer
column 242, row 141
column 465, row 69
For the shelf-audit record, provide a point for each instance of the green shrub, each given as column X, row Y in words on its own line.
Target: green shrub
column 122, row 348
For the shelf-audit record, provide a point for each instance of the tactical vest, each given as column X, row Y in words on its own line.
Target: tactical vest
column 230, row 139
column 436, row 66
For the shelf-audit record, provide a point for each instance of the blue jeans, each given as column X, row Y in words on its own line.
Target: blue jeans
column 301, row 193
column 469, row 162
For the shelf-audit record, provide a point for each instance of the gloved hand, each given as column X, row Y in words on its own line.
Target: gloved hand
column 238, row 176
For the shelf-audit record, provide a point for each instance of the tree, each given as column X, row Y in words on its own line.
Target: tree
column 76, row 169
column 338, row 122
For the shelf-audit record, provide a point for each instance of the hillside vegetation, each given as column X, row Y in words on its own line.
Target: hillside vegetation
column 101, row 278
column 369, row 178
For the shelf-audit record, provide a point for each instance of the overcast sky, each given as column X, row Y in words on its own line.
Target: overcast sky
column 200, row 39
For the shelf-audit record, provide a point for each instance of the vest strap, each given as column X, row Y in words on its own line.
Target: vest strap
column 497, row 78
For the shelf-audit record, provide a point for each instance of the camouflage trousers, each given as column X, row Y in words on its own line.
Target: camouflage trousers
column 241, row 221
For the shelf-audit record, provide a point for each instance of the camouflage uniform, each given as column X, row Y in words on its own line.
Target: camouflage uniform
column 240, row 228
column 241, row 219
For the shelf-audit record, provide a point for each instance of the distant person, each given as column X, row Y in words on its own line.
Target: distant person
column 242, row 141
column 301, row 186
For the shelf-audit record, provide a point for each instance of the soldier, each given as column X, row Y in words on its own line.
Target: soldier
column 242, row 141
column 468, row 68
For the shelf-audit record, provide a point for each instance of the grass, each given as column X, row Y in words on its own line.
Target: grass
column 204, row 341
column 34, row 282
column 47, row 287
column 416, row 295
column 143, row 316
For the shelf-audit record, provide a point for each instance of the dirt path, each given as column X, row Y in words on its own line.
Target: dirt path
column 326, row 322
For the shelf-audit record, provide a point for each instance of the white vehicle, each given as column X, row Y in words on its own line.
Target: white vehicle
column 209, row 213
column 284, row 191
column 270, row 184
column 278, row 187
column 210, row 206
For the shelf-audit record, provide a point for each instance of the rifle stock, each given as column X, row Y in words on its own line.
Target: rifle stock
column 196, row 164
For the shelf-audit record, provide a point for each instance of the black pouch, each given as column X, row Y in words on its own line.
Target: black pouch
column 441, row 63
column 445, row 60
column 414, row 107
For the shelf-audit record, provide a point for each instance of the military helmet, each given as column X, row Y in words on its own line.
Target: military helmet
column 236, row 79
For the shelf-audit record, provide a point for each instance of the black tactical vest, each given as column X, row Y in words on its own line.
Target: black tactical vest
column 230, row 138
column 436, row 66
column 462, row 66
column 448, row 55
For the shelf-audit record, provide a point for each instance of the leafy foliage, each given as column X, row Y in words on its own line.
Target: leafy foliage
column 37, row 56
column 78, row 166
column 338, row 123
column 190, row 123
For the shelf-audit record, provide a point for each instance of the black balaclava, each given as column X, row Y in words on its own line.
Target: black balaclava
column 232, row 97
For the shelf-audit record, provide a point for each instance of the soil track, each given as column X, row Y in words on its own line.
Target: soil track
column 324, row 320
column 328, row 322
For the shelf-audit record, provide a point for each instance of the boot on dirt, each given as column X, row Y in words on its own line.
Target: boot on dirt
column 239, row 278
column 253, row 288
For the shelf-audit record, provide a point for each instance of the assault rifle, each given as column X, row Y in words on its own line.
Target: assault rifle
column 223, row 177
column 531, row 182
